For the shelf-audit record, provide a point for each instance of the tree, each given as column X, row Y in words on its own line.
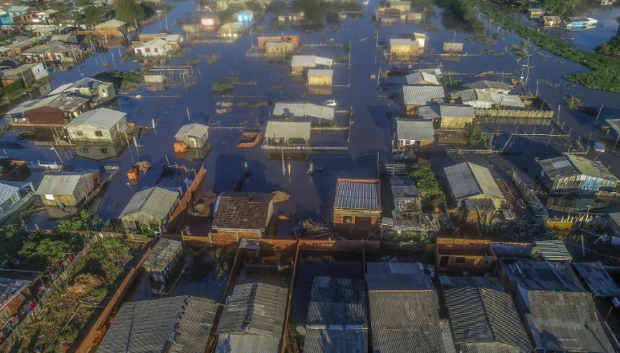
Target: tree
column 277, row 7
column 313, row 10
column 92, row 15
column 254, row 6
column 226, row 15
column 129, row 11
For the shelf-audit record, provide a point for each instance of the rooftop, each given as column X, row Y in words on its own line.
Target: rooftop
column 422, row 95
column 103, row 118
column 403, row 42
column 161, row 254
column 482, row 316
column 7, row 192
column 288, row 129
column 507, row 100
column 421, row 76
column 397, row 276
column 488, row 85
column 597, row 278
column 155, row 201
column 61, row 183
column 310, row 61
column 415, row 129
column 569, row 165
column 242, row 210
column 542, row 275
column 552, row 250
column 468, row 180
column 193, row 130
column 358, row 194
column 472, row 95
column 111, row 23
column 150, row 326
column 302, row 110
column 320, row 73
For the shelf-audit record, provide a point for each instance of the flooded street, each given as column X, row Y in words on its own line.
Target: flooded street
column 370, row 134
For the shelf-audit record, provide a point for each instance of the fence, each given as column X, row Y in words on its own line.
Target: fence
column 186, row 202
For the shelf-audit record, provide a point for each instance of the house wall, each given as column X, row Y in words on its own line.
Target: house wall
column 84, row 132
column 99, row 152
column 85, row 185
column 47, row 116
column 319, row 80
column 456, row 255
column 38, row 71
column 193, row 142
column 454, row 122
column 5, row 206
column 498, row 203
column 480, row 104
column 399, row 50
column 129, row 221
column 236, row 234
column 343, row 218
column 577, row 185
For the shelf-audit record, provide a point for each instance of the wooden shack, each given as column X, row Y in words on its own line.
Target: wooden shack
column 64, row 193
column 576, row 175
column 534, row 13
column 242, row 215
column 552, row 21
column 318, row 77
column 164, row 258
column 357, row 204
column 457, row 255
column 150, row 207
column 402, row 49
column 293, row 40
column 193, row 135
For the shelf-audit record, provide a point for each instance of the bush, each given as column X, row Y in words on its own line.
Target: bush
column 573, row 103
column 428, row 187
column 224, row 85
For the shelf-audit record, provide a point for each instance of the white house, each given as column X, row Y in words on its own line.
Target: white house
column 98, row 125
column 160, row 45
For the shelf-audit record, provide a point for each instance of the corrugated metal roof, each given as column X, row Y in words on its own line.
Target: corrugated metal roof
column 161, row 254
column 402, row 42
column 468, row 179
column 7, row 192
column 473, row 95
column 597, row 278
column 336, row 341
column 401, row 276
column 239, row 343
column 482, row 314
column 415, row 129
column 421, row 76
column 320, row 73
column 552, row 250
column 157, row 202
column 429, row 112
column 507, row 100
column 148, row 326
column 59, row 89
column 254, row 309
column 423, row 95
column 488, row 85
column 103, row 118
column 288, row 129
column 358, row 194
column 456, row 111
column 614, row 124
column 29, row 105
column 566, row 322
column 336, row 301
column 408, row 320
column 541, row 275
column 63, row 183
column 302, row 110
column 193, row 130
column 310, row 61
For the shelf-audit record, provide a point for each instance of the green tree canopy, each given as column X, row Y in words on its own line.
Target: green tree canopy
column 129, row 11
column 92, row 15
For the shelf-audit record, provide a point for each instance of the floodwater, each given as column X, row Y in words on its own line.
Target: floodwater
column 312, row 196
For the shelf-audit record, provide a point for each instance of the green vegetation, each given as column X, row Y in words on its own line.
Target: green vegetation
column 212, row 59
column 226, row 15
column 573, row 103
column 92, row 15
column 315, row 10
column 611, row 47
column 277, row 7
column 83, row 3
column 129, row 11
column 107, row 258
column 128, row 80
column 428, row 187
column 255, row 6
column 464, row 10
column 605, row 69
column 11, row 89
column 224, row 85
column 475, row 134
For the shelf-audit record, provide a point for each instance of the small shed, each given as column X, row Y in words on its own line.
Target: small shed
column 534, row 13
column 448, row 116
column 67, row 189
column 421, row 78
column 552, row 21
column 402, row 48
column 318, row 77
column 98, row 125
column 477, row 98
column 242, row 214
column 301, row 62
column 149, row 207
column 193, row 135
column 287, row 133
column 414, row 132
column 417, row 96
column 575, row 175
column 164, row 258
column 452, row 47
column 471, row 181
column 357, row 204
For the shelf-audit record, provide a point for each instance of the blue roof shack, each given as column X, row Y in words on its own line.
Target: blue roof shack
column 244, row 16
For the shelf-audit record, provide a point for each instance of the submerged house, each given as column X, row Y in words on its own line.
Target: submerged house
column 67, row 191
column 469, row 181
column 154, row 45
column 164, row 258
column 26, row 73
column 253, row 319
column 552, row 21
column 319, row 77
column 357, row 204
column 399, row 295
column 288, row 133
column 97, row 91
column 489, row 86
column 448, row 116
column 299, row 63
column 414, row 135
column 193, row 135
column 337, row 318
column 150, row 207
column 13, row 195
column 303, row 110
column 535, row 12
column 57, row 110
column 173, row 324
column 483, row 317
column 575, row 175
column 418, row 96
column 98, row 126
column 242, row 214
column 403, row 49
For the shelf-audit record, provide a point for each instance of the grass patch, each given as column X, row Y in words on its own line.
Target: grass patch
column 428, row 187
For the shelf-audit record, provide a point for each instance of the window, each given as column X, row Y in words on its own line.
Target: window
column 104, row 150
column 460, row 260
column 79, row 133
column 85, row 149
column 98, row 133
column 156, row 50
column 148, row 50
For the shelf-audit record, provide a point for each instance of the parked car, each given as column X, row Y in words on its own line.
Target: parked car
column 329, row 103
column 598, row 146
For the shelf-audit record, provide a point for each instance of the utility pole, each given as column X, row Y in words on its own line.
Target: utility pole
column 599, row 114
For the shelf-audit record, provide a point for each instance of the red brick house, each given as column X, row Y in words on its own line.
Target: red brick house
column 357, row 204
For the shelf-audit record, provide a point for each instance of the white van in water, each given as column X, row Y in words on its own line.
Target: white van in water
column 598, row 146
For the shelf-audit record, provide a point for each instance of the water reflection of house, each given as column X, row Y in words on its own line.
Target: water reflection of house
column 54, row 51
column 163, row 260
column 413, row 135
column 101, row 125
column 242, row 215
column 580, row 23
column 107, row 30
column 232, row 30
column 448, row 116
column 151, row 207
column 292, row 17
column 402, row 6
column 18, row 47
column 337, row 303
column 576, row 175
column 13, row 170
column 242, row 327
column 399, row 294
column 64, row 193
column 13, row 195
column 357, row 204
column 174, row 324
column 403, row 49
column 287, row 133
column 469, row 181
column 299, row 63
column 99, row 151
column 281, row 44
column 480, row 304
column 55, row 110
column 17, row 291
column 418, row 96
column 318, row 77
